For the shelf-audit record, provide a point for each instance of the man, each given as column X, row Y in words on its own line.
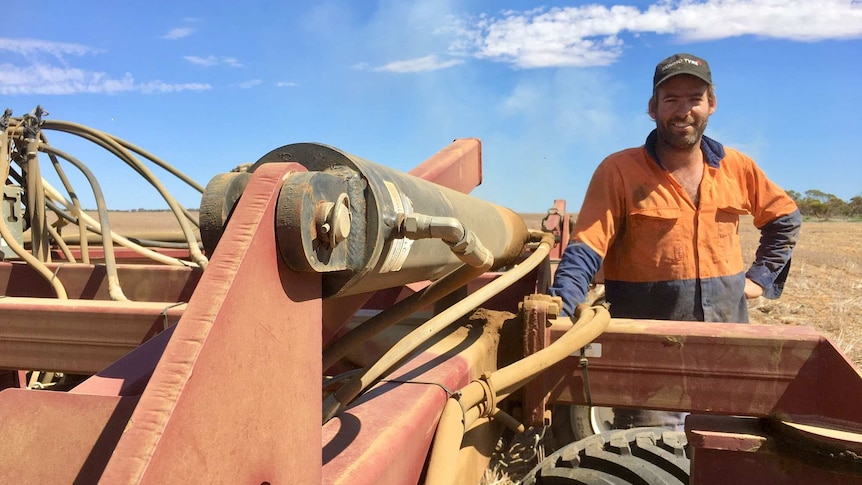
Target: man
column 662, row 220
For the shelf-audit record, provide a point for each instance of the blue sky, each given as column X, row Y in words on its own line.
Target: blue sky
column 550, row 88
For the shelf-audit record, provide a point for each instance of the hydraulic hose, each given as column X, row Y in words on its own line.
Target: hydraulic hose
column 112, row 145
column 463, row 242
column 82, row 229
column 480, row 396
column 6, row 234
column 114, row 288
column 82, row 216
column 22, row 138
column 336, row 402
column 399, row 311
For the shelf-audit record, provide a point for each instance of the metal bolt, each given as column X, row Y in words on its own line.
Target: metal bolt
column 334, row 221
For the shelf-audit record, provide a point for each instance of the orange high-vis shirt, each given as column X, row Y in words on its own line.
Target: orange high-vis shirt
column 662, row 256
column 657, row 232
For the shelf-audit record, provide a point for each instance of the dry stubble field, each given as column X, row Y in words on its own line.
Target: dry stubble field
column 824, row 289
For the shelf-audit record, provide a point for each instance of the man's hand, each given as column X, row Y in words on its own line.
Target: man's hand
column 752, row 289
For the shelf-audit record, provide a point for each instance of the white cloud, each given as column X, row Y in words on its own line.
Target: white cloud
column 31, row 47
column 286, row 84
column 591, row 35
column 213, row 61
column 58, row 78
column 178, row 33
column 155, row 87
column 419, row 64
column 46, row 79
column 250, row 83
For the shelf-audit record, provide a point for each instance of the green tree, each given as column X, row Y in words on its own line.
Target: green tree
column 822, row 205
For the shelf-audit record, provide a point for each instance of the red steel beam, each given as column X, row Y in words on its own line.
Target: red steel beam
column 77, row 336
column 749, row 450
column 90, row 282
column 458, row 166
column 385, row 435
column 121, row 254
column 235, row 395
column 730, row 369
column 78, row 433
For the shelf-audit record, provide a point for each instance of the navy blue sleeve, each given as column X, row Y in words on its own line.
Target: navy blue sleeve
column 772, row 261
column 574, row 274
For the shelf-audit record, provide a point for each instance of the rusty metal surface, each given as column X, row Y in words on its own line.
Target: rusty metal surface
column 89, row 282
column 76, row 336
column 557, row 222
column 246, row 350
column 385, row 436
column 129, row 375
column 746, row 450
column 537, row 336
column 735, row 369
column 121, row 254
column 58, row 438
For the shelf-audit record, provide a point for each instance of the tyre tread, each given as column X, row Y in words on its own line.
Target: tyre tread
column 642, row 456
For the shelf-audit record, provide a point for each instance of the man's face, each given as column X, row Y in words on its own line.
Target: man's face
column 681, row 110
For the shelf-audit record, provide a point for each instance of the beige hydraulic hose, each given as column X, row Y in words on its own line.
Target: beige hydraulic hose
column 55, row 196
column 73, row 194
column 110, row 143
column 114, row 288
column 336, row 402
column 7, row 236
column 35, row 200
column 20, row 141
column 399, row 311
column 464, row 244
column 480, row 396
column 64, row 248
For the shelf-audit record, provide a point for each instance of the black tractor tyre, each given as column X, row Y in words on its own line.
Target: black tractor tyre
column 642, row 456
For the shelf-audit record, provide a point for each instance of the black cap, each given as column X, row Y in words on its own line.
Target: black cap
column 681, row 64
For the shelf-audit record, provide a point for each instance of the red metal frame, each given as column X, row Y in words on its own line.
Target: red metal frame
column 719, row 368
column 246, row 350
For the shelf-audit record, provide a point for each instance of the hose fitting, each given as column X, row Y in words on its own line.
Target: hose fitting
column 463, row 242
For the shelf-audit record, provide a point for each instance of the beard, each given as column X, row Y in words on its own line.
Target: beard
column 685, row 141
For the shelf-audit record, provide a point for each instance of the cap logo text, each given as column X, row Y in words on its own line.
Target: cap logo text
column 679, row 61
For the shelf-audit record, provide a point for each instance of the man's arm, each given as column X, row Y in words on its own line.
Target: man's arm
column 574, row 274
column 772, row 260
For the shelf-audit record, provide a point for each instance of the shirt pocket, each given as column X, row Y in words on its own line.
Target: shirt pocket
column 655, row 239
column 727, row 250
column 727, row 220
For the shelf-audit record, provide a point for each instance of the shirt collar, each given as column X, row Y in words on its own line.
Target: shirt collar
column 713, row 151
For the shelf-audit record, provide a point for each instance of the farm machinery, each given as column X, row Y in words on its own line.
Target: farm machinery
column 326, row 319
